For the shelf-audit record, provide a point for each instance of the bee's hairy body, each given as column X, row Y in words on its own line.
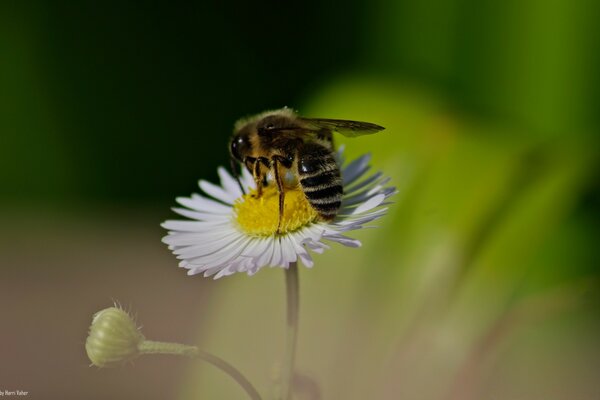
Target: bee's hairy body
column 285, row 145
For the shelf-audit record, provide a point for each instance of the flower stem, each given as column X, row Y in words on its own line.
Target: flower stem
column 291, row 283
column 152, row 347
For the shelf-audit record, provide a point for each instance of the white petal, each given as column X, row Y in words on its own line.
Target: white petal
column 366, row 194
column 199, row 203
column 217, row 258
column 197, row 215
column 354, row 200
column 209, row 246
column 225, row 272
column 351, row 218
column 253, row 270
column 186, row 226
column 243, row 264
column 340, row 154
column 255, row 248
column 296, row 239
column 355, row 169
column 277, row 259
column 181, row 239
column 229, row 183
column 369, row 204
column 303, row 255
column 316, row 246
column 267, row 255
column 346, row 241
column 389, row 191
column 288, row 249
column 354, row 223
column 224, row 255
column 217, row 192
column 366, row 182
column 247, row 180
column 194, row 226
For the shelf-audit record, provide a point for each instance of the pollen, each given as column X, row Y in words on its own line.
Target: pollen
column 259, row 216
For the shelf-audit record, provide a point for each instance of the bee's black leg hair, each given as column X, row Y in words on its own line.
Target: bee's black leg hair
column 259, row 177
column 265, row 161
column 277, row 161
column 279, row 181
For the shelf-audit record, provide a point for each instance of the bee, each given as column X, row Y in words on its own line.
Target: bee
column 282, row 144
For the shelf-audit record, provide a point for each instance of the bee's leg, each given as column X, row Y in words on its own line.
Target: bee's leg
column 277, row 161
column 259, row 176
column 281, row 191
column 254, row 167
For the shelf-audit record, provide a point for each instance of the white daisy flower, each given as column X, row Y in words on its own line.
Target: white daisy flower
column 229, row 231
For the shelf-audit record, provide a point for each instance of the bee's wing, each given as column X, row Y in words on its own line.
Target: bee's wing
column 345, row 127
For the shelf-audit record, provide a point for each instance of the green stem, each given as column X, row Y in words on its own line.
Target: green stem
column 293, row 303
column 152, row 347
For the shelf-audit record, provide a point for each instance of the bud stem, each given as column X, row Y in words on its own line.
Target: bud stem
column 152, row 347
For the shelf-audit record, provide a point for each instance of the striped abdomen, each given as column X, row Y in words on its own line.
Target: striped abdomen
column 320, row 179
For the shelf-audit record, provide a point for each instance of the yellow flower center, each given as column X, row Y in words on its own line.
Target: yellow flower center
column 259, row 216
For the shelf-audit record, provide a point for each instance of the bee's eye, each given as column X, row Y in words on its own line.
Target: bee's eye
column 269, row 126
column 240, row 146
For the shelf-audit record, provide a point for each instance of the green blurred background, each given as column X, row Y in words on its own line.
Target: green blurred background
column 482, row 282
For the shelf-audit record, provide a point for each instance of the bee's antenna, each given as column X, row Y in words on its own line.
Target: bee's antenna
column 236, row 175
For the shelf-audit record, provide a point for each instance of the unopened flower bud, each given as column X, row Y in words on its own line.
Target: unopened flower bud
column 113, row 338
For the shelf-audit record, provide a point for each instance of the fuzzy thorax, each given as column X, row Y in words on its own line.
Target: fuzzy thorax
column 259, row 216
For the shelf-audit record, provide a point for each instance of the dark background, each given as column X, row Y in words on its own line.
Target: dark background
column 98, row 100
column 481, row 283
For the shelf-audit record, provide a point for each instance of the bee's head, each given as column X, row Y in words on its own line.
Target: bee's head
column 264, row 124
column 240, row 145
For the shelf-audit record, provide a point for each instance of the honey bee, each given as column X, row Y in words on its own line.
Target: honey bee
column 281, row 144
